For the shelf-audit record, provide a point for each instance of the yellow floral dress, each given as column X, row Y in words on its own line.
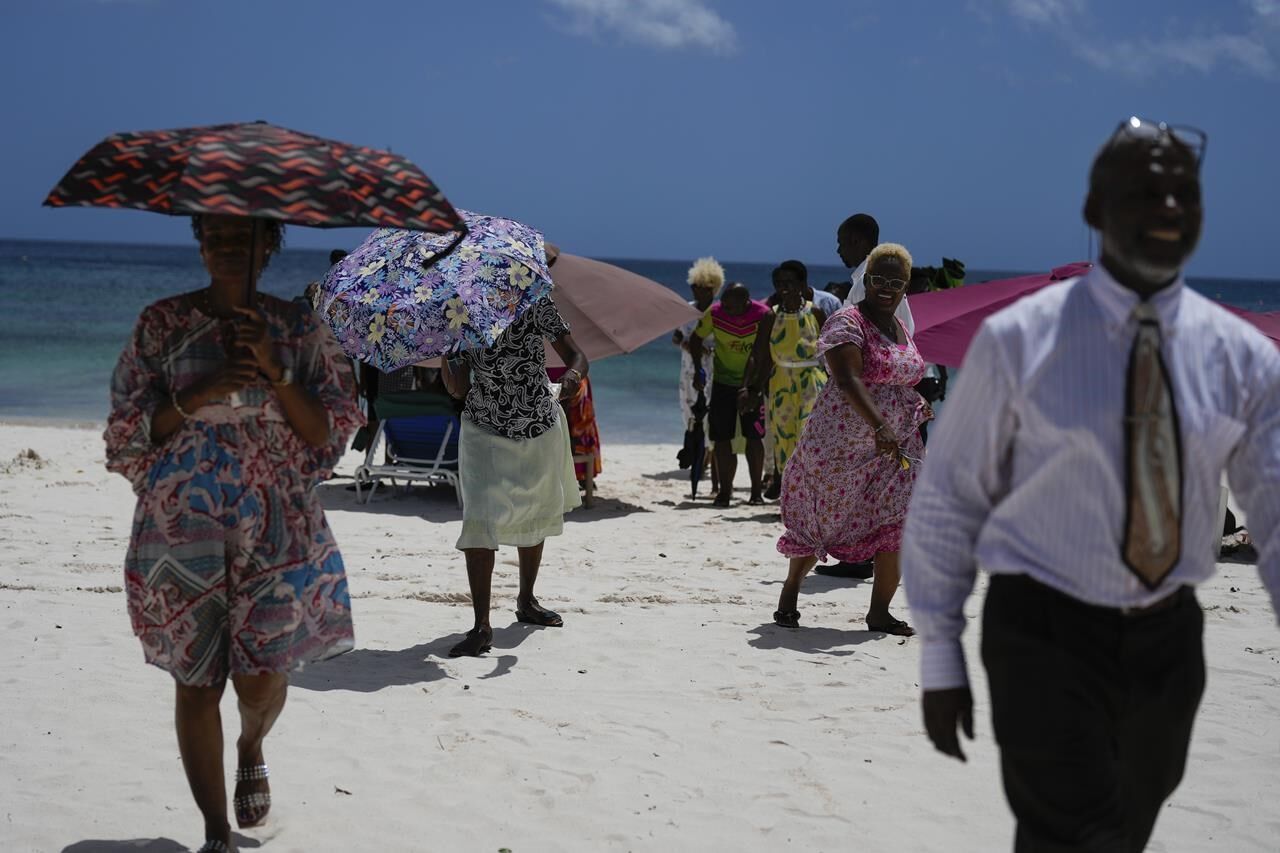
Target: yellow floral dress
column 797, row 378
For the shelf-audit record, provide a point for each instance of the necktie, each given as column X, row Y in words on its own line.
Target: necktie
column 1153, row 527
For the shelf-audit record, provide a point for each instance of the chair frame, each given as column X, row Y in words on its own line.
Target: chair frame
column 407, row 468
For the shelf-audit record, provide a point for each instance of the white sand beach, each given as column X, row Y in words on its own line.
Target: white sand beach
column 669, row 713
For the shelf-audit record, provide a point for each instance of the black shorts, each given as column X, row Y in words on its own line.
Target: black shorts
column 723, row 418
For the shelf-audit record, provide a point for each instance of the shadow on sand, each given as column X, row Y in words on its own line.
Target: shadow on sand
column 430, row 503
column 371, row 670
column 148, row 845
column 828, row 641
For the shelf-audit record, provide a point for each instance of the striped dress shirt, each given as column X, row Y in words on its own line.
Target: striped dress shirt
column 1026, row 469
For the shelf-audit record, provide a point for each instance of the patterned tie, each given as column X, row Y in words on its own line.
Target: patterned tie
column 1153, row 529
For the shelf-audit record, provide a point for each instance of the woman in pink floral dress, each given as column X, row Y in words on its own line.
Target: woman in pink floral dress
column 846, row 487
column 224, row 417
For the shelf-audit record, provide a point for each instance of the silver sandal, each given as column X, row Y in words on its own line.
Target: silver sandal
column 252, row 809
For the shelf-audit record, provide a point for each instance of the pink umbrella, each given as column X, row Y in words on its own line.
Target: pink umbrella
column 947, row 320
column 612, row 310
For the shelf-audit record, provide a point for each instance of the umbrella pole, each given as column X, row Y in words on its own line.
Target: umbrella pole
column 251, row 280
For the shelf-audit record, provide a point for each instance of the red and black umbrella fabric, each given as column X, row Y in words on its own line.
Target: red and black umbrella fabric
column 260, row 170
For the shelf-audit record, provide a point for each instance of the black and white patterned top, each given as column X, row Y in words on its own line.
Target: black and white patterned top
column 509, row 393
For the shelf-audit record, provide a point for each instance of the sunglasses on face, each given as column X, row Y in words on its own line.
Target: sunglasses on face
column 1193, row 139
column 894, row 285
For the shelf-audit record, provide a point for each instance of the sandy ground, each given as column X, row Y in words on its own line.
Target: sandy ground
column 669, row 713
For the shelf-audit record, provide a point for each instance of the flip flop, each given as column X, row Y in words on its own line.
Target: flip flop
column 897, row 627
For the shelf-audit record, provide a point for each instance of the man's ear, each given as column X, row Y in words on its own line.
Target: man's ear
column 1093, row 212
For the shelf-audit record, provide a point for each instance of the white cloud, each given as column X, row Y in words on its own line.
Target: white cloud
column 1045, row 12
column 1252, row 48
column 1197, row 53
column 667, row 24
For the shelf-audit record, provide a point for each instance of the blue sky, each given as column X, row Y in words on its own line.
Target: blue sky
column 677, row 128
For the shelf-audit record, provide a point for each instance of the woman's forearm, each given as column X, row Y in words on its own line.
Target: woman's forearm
column 456, row 377
column 856, row 393
column 305, row 413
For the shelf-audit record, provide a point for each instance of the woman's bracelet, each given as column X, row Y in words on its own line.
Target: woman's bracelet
column 574, row 371
column 881, row 429
column 173, row 398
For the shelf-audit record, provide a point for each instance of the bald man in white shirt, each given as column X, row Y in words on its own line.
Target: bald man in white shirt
column 855, row 238
column 1078, row 462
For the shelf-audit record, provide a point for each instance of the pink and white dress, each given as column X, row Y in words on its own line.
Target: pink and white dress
column 839, row 497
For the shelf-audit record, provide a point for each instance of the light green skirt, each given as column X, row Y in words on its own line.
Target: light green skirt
column 515, row 491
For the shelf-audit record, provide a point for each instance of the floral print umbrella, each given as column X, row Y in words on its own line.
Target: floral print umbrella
column 406, row 296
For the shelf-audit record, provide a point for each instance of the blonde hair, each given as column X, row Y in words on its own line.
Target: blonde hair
column 706, row 272
column 891, row 250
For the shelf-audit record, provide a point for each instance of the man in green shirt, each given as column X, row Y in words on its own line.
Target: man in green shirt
column 735, row 399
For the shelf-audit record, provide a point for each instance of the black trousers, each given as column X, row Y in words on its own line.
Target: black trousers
column 1092, row 710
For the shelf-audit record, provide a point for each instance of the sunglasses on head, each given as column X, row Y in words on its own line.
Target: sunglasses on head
column 1194, row 139
column 885, row 283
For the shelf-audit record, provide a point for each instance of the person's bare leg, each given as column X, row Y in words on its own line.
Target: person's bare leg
column 883, row 587
column 787, row 599
column 527, row 607
column 261, row 699
column 727, row 465
column 199, row 725
column 755, row 467
column 480, row 579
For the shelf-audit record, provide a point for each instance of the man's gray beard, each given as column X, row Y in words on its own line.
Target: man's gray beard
column 1150, row 273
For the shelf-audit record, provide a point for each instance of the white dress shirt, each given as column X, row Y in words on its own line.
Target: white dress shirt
column 827, row 303
column 858, row 292
column 1026, row 470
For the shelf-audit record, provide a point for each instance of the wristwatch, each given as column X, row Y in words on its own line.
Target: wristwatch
column 286, row 377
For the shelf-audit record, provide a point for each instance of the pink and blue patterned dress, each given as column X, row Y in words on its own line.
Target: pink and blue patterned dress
column 839, row 497
column 231, row 566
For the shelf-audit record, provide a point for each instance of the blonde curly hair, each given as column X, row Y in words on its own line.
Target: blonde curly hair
column 706, row 272
column 891, row 250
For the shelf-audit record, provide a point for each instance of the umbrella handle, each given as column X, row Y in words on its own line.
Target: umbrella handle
column 462, row 234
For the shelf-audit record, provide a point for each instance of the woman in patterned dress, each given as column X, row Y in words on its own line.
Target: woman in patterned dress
column 514, row 459
column 845, row 488
column 223, row 418
column 786, row 352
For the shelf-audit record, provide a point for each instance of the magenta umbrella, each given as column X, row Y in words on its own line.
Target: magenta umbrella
column 947, row 320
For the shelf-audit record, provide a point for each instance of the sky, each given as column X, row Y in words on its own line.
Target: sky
column 679, row 128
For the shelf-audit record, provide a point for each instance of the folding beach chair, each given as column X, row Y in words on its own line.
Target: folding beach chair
column 421, row 429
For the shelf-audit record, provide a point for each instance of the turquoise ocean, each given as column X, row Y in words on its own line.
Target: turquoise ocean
column 66, row 310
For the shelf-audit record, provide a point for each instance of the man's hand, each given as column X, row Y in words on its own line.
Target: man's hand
column 943, row 711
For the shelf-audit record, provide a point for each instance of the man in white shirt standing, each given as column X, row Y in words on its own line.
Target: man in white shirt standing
column 1078, row 462
column 855, row 238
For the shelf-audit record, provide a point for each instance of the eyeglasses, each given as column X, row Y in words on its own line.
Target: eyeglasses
column 894, row 285
column 1194, row 139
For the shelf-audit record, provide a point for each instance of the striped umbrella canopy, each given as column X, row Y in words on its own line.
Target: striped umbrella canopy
column 256, row 169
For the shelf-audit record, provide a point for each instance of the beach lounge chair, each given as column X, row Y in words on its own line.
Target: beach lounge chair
column 421, row 430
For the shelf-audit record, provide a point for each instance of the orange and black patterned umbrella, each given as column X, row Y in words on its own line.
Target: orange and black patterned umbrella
column 260, row 170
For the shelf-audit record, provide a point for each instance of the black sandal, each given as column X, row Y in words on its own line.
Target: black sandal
column 787, row 618
column 897, row 627
column 477, row 642
column 539, row 615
